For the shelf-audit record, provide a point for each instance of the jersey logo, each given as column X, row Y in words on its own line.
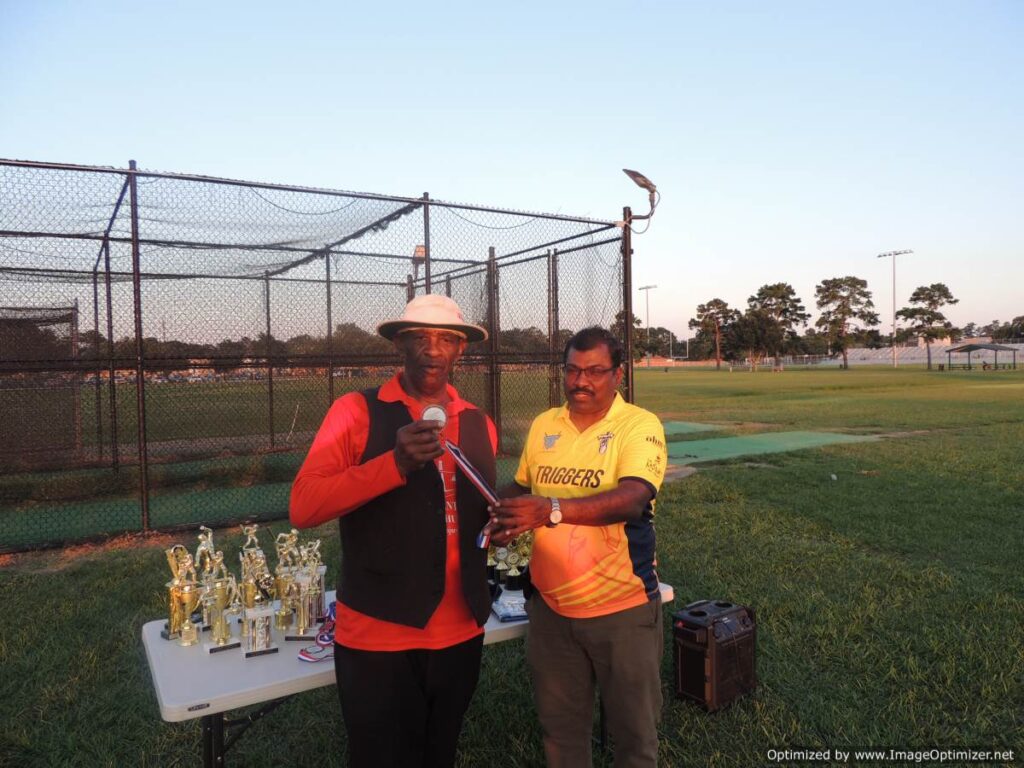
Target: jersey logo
column 550, row 440
column 603, row 440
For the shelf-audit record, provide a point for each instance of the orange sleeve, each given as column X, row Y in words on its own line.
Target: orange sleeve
column 331, row 482
column 492, row 433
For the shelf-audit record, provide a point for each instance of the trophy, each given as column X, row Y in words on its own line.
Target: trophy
column 257, row 622
column 305, row 592
column 520, row 549
column 311, row 561
column 220, row 600
column 492, row 564
column 501, row 564
column 287, row 563
column 188, row 597
column 183, row 593
column 254, row 592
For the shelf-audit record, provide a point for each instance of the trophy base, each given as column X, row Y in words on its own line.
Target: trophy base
column 308, row 636
column 212, row 648
column 166, row 634
column 264, row 652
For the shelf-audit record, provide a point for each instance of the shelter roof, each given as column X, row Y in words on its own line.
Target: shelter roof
column 976, row 347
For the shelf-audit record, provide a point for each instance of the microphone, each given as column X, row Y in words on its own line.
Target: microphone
column 435, row 413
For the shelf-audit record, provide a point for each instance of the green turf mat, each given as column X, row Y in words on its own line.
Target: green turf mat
column 688, row 427
column 695, row 451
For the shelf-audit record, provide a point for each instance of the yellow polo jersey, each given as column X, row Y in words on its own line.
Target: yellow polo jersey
column 585, row 570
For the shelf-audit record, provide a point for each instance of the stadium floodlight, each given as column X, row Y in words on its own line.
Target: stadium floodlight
column 892, row 255
column 652, row 192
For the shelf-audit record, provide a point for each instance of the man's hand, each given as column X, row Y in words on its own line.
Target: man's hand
column 416, row 444
column 520, row 514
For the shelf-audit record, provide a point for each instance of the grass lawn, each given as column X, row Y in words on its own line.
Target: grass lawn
column 890, row 599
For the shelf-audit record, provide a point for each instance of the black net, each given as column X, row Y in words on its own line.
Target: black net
column 169, row 347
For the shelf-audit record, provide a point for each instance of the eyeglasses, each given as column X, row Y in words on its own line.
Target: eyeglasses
column 593, row 372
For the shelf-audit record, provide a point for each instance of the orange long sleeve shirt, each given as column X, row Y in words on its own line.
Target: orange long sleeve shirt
column 332, row 482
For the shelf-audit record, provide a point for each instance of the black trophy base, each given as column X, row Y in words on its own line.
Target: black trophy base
column 515, row 583
column 213, row 648
column 264, row 652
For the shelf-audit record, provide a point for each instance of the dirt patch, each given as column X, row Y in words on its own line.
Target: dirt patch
column 51, row 560
column 676, row 472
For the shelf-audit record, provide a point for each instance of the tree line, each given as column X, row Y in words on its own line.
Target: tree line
column 772, row 323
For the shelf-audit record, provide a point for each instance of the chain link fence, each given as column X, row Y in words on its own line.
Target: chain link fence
column 169, row 344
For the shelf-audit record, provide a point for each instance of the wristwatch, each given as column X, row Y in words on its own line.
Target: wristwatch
column 556, row 514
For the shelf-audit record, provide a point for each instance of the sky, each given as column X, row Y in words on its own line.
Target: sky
column 790, row 141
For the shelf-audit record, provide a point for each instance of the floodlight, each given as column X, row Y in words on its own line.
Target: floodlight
column 652, row 192
column 640, row 180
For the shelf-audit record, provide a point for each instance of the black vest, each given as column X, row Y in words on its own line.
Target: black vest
column 393, row 547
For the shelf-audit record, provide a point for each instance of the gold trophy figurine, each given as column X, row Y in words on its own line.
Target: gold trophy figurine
column 250, row 537
column 204, row 554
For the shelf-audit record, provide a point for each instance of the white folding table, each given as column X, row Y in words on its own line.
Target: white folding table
column 191, row 683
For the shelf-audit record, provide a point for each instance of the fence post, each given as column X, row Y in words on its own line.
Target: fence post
column 98, row 407
column 554, row 379
column 140, row 372
column 627, row 300
column 115, row 451
column 76, row 400
column 330, row 335
column 494, row 328
column 270, row 361
column 426, row 241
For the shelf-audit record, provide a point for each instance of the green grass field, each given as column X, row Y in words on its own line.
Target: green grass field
column 890, row 599
column 210, row 453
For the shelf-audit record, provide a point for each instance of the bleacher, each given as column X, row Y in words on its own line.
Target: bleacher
column 919, row 355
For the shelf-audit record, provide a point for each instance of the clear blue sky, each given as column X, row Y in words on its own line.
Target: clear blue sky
column 791, row 141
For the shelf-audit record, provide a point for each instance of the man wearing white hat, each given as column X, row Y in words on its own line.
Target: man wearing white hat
column 412, row 594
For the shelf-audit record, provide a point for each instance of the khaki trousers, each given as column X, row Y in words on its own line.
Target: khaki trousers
column 621, row 653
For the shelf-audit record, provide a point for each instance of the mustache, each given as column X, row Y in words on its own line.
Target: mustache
column 584, row 390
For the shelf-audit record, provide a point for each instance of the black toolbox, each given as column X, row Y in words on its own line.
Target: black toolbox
column 715, row 652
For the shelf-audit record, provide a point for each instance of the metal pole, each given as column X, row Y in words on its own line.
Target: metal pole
column 270, row 361
column 330, row 334
column 494, row 323
column 892, row 255
column 627, row 299
column 98, row 407
column 554, row 380
column 140, row 379
column 426, row 240
column 647, row 294
column 894, row 363
column 76, row 400
column 115, row 452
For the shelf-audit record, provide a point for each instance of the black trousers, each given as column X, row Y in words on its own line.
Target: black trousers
column 404, row 709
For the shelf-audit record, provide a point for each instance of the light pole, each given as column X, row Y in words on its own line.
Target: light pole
column 892, row 255
column 647, row 295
